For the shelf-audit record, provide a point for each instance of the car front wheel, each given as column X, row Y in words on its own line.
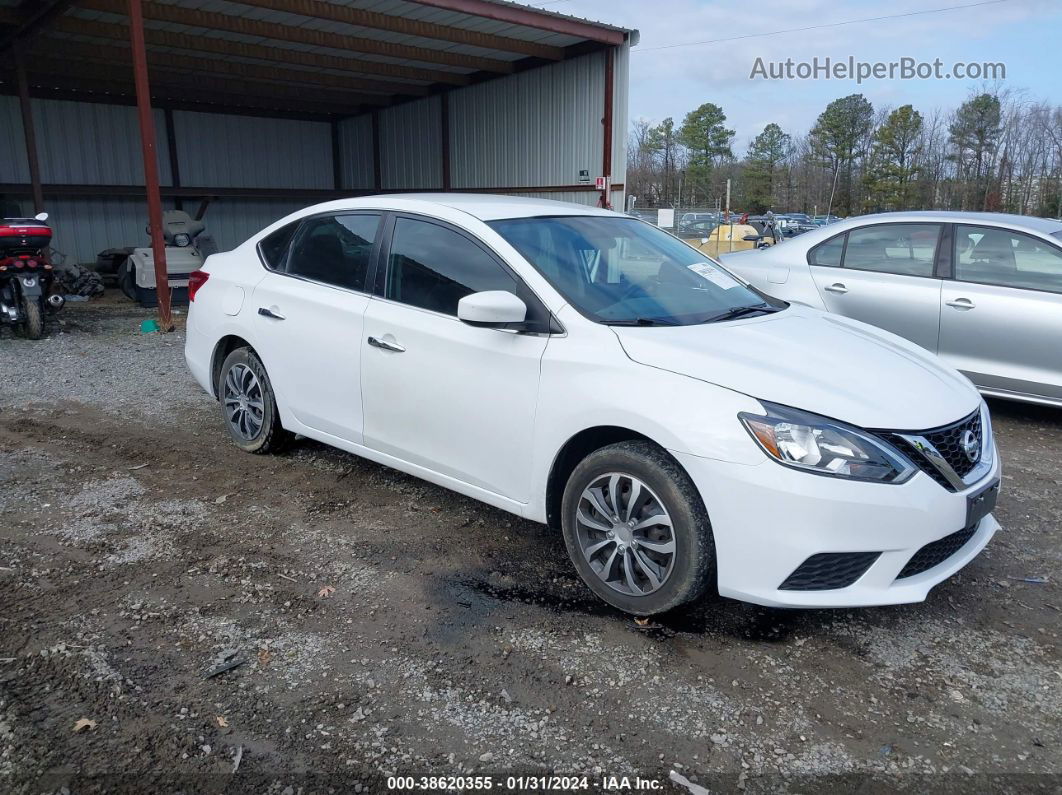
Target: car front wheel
column 636, row 529
column 248, row 404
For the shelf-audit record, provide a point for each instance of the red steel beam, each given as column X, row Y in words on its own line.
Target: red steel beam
column 27, row 25
column 314, row 194
column 531, row 18
column 606, row 122
column 245, row 26
column 335, row 12
column 28, row 130
column 151, row 166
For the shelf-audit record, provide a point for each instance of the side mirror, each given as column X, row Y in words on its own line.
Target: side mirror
column 40, row 217
column 752, row 238
column 492, row 309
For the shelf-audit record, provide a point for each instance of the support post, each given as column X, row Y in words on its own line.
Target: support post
column 151, row 165
column 377, row 171
column 444, row 122
column 337, row 156
column 171, row 147
column 28, row 129
column 606, row 158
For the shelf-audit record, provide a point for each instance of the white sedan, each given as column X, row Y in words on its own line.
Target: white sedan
column 584, row 369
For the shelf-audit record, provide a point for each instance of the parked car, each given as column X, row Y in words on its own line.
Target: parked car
column 982, row 290
column 690, row 218
column 582, row 368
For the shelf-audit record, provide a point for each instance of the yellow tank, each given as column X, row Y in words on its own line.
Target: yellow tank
column 726, row 238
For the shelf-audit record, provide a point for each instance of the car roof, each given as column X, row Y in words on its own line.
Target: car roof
column 1043, row 225
column 484, row 206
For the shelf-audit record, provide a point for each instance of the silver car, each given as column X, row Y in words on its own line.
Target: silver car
column 982, row 290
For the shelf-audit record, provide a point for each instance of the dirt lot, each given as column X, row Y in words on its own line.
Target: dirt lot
column 139, row 549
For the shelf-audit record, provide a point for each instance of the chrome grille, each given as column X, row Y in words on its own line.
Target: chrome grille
column 939, row 452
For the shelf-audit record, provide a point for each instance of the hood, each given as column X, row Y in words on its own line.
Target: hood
column 809, row 360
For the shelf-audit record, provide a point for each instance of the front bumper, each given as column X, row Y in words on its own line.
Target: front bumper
column 768, row 519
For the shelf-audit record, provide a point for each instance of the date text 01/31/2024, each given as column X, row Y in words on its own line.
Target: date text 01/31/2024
column 522, row 783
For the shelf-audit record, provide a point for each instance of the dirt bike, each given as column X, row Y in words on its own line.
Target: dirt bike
column 27, row 279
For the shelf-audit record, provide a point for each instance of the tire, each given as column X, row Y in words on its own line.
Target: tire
column 254, row 431
column 625, row 580
column 32, row 326
column 126, row 276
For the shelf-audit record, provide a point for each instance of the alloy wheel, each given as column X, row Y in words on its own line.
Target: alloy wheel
column 625, row 534
column 243, row 402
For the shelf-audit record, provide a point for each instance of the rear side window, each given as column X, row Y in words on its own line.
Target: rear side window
column 828, row 253
column 274, row 247
column 903, row 249
column 335, row 250
column 433, row 267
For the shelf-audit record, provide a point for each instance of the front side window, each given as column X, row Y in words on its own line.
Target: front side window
column 623, row 271
column 828, row 253
column 433, row 267
column 989, row 255
column 903, row 249
column 335, row 250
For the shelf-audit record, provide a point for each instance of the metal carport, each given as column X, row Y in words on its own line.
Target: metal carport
column 263, row 106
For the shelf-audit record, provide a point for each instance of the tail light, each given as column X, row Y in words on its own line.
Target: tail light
column 196, row 279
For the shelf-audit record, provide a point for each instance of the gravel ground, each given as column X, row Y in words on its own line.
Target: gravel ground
column 139, row 550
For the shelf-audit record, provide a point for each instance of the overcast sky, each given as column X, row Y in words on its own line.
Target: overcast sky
column 1026, row 35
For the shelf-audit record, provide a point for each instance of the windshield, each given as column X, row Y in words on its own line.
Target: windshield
column 622, row 271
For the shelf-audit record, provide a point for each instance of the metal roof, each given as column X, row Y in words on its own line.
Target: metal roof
column 308, row 58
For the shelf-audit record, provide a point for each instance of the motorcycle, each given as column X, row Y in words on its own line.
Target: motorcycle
column 27, row 279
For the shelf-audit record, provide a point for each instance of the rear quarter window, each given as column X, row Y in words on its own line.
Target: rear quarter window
column 273, row 248
column 828, row 252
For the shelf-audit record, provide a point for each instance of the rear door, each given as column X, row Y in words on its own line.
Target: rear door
column 885, row 275
column 1001, row 315
column 310, row 312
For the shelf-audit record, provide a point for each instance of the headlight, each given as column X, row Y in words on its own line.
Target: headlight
column 182, row 240
column 824, row 446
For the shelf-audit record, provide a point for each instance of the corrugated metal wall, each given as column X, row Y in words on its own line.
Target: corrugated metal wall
column 411, row 145
column 621, row 71
column 355, row 153
column 216, row 150
column 13, row 166
column 91, row 144
column 535, row 128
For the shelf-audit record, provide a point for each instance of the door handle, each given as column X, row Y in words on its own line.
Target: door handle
column 386, row 345
column 836, row 287
column 961, row 303
column 264, row 312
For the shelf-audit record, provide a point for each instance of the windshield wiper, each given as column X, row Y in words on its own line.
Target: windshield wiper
column 640, row 321
column 742, row 311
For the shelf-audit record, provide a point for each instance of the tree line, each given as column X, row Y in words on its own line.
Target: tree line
column 995, row 152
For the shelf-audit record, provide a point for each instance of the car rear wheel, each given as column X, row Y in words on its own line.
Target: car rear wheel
column 636, row 529
column 248, row 404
